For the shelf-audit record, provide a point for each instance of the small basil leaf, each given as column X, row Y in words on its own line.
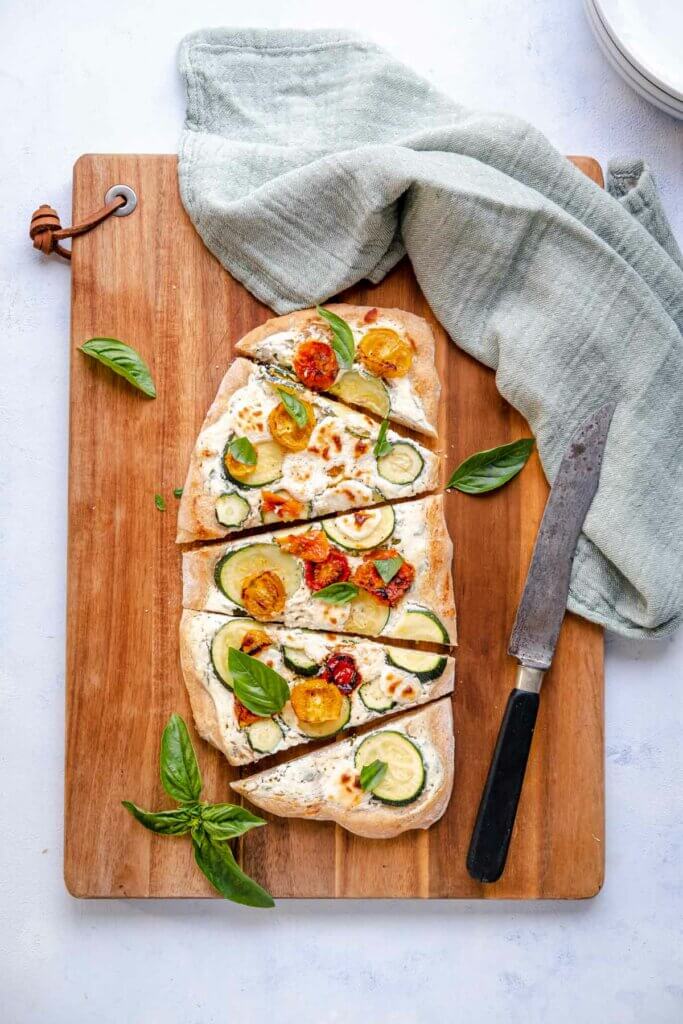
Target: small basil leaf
column 242, row 450
column 159, row 502
column 259, row 688
column 372, row 774
column 342, row 336
column 122, row 359
column 296, row 409
column 177, row 492
column 388, row 567
column 227, row 821
column 490, row 469
column 222, row 870
column 164, row 823
column 337, row 593
column 179, row 769
column 382, row 446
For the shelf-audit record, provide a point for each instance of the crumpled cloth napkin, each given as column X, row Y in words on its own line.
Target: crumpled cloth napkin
column 311, row 160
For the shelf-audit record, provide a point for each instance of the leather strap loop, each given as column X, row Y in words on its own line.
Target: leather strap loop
column 46, row 230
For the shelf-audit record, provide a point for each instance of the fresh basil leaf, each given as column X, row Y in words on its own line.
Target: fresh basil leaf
column 296, row 409
column 337, row 593
column 159, row 502
column 342, row 336
column 122, row 359
column 177, row 492
column 242, row 450
column 382, row 446
column 179, row 769
column 165, row 823
column 222, row 870
column 227, row 821
column 388, row 567
column 372, row 774
column 259, row 688
column 486, row 471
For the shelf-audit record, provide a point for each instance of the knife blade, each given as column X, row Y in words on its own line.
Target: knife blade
column 533, row 639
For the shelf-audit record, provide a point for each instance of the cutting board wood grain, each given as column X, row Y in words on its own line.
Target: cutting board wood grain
column 148, row 280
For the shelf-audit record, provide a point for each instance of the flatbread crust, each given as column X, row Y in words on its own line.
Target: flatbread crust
column 432, row 725
column 206, row 714
column 423, row 376
column 432, row 588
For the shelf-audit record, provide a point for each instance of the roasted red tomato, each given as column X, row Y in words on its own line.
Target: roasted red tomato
column 312, row 546
column 315, row 364
column 367, row 577
column 281, row 504
column 243, row 715
column 341, row 670
column 335, row 569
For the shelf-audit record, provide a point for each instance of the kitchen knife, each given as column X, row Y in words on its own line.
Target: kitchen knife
column 533, row 639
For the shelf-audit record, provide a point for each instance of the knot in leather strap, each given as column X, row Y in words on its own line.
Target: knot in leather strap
column 46, row 230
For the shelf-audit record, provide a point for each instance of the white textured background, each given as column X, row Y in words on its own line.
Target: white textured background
column 101, row 77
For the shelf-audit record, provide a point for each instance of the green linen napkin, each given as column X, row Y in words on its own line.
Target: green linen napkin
column 311, row 160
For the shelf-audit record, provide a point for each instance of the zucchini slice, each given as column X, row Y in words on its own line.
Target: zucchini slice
column 421, row 624
column 358, row 388
column 268, row 469
column 264, row 736
column 402, row 465
column 297, row 661
column 230, row 635
column 321, row 729
column 422, row 664
column 374, row 697
column 362, row 530
column 367, row 615
column 234, row 568
column 231, row 509
column 405, row 776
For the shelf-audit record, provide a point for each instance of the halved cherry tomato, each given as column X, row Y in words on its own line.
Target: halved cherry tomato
column 385, row 353
column 255, row 640
column 312, row 546
column 316, row 700
column 335, row 569
column 286, row 431
column 367, row 577
column 263, row 595
column 243, row 715
column 341, row 670
column 315, row 364
column 238, row 470
column 282, row 505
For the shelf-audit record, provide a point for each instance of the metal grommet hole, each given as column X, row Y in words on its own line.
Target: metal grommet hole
column 128, row 194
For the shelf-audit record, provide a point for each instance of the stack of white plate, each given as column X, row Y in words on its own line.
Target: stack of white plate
column 643, row 41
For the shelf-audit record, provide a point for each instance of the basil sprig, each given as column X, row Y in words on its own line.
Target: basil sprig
column 242, row 450
column 210, row 826
column 372, row 774
column 382, row 446
column 342, row 336
column 337, row 593
column 296, row 409
column 388, row 567
column 262, row 690
column 488, row 470
column 122, row 359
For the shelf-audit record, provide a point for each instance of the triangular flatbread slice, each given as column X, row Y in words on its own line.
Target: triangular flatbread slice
column 392, row 373
column 253, row 463
column 335, row 682
column 274, row 578
column 325, row 785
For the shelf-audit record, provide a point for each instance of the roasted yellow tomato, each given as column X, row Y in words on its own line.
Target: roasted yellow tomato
column 316, row 701
column 385, row 353
column 238, row 470
column 255, row 640
column 263, row 595
column 287, row 432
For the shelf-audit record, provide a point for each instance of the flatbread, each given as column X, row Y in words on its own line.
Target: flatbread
column 213, row 703
column 320, row 785
column 337, row 471
column 414, row 398
column 419, row 535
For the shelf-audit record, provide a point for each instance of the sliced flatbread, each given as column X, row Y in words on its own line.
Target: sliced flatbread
column 227, row 577
column 325, row 785
column 388, row 679
column 411, row 399
column 335, row 469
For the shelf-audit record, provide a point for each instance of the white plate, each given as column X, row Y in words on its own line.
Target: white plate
column 649, row 33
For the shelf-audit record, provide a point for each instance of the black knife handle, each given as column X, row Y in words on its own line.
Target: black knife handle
column 492, row 830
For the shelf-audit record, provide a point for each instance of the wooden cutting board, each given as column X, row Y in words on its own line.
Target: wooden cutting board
column 147, row 279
